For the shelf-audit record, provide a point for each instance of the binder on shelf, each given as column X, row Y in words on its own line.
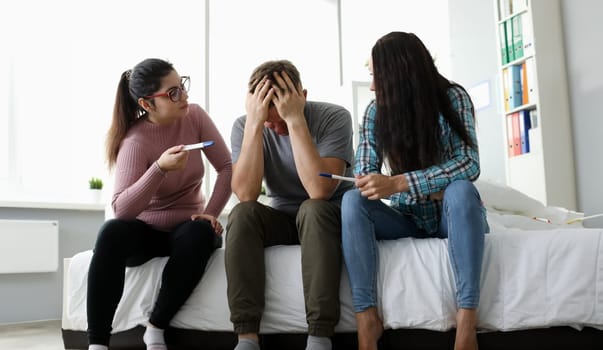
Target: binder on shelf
column 504, row 51
column 524, row 127
column 506, row 80
column 524, row 84
column 509, row 37
column 516, row 134
column 515, row 93
column 510, row 141
column 527, row 35
column 517, row 36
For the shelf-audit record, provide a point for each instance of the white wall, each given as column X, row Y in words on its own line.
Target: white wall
column 67, row 57
column 584, row 57
column 473, row 48
column 38, row 296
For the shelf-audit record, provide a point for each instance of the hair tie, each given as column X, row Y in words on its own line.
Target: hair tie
column 128, row 73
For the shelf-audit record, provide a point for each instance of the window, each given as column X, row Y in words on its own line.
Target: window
column 67, row 56
column 65, row 72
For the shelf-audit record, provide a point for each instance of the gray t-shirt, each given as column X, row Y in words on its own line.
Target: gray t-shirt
column 330, row 127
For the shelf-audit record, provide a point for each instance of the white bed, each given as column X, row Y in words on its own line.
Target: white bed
column 535, row 275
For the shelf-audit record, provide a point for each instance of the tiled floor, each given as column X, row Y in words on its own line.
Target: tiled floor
column 31, row 336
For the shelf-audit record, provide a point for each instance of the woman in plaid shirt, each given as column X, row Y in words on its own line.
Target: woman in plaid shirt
column 419, row 150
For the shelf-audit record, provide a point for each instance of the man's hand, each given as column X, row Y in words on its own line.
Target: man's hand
column 288, row 99
column 248, row 171
column 258, row 102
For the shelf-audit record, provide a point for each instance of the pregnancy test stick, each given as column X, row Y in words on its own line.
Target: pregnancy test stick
column 583, row 218
column 542, row 220
column 197, row 145
column 337, row 177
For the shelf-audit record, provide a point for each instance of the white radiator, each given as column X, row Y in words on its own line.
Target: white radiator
column 29, row 246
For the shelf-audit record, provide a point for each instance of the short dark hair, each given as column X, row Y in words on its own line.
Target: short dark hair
column 268, row 68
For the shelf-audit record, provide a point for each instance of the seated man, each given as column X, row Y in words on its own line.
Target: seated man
column 287, row 141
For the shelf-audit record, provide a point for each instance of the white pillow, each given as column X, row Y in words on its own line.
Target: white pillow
column 507, row 201
column 502, row 198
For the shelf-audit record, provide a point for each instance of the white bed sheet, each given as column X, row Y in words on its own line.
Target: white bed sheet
column 534, row 275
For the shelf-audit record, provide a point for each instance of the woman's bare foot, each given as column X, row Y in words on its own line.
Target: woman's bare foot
column 370, row 329
column 466, row 333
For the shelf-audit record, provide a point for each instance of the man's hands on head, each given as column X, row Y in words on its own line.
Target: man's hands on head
column 288, row 98
column 286, row 118
column 248, row 170
column 257, row 103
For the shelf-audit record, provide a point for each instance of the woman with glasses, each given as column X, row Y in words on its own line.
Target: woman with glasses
column 160, row 209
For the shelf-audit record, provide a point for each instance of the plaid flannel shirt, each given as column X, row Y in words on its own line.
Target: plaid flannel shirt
column 460, row 161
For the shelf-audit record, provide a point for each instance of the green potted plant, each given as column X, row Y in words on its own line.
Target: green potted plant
column 95, row 183
column 96, row 186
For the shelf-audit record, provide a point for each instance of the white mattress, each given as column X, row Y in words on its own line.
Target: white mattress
column 534, row 275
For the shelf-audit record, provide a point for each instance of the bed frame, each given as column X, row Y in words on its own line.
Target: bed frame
column 561, row 338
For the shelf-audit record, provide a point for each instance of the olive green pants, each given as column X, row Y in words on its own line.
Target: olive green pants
column 253, row 227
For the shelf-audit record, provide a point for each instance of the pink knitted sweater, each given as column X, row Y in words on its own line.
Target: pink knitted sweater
column 165, row 200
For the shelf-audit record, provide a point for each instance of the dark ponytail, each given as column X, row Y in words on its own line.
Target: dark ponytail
column 143, row 80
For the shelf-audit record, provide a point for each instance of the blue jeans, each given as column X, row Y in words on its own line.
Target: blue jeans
column 365, row 221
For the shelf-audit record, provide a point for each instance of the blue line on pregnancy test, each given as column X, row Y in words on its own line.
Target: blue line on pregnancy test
column 197, row 145
column 337, row 177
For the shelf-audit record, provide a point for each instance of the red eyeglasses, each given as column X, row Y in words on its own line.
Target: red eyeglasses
column 175, row 93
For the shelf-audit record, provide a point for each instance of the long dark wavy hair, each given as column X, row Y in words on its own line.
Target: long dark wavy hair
column 410, row 97
column 142, row 80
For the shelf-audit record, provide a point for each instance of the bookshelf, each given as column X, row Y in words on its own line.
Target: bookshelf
column 535, row 111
